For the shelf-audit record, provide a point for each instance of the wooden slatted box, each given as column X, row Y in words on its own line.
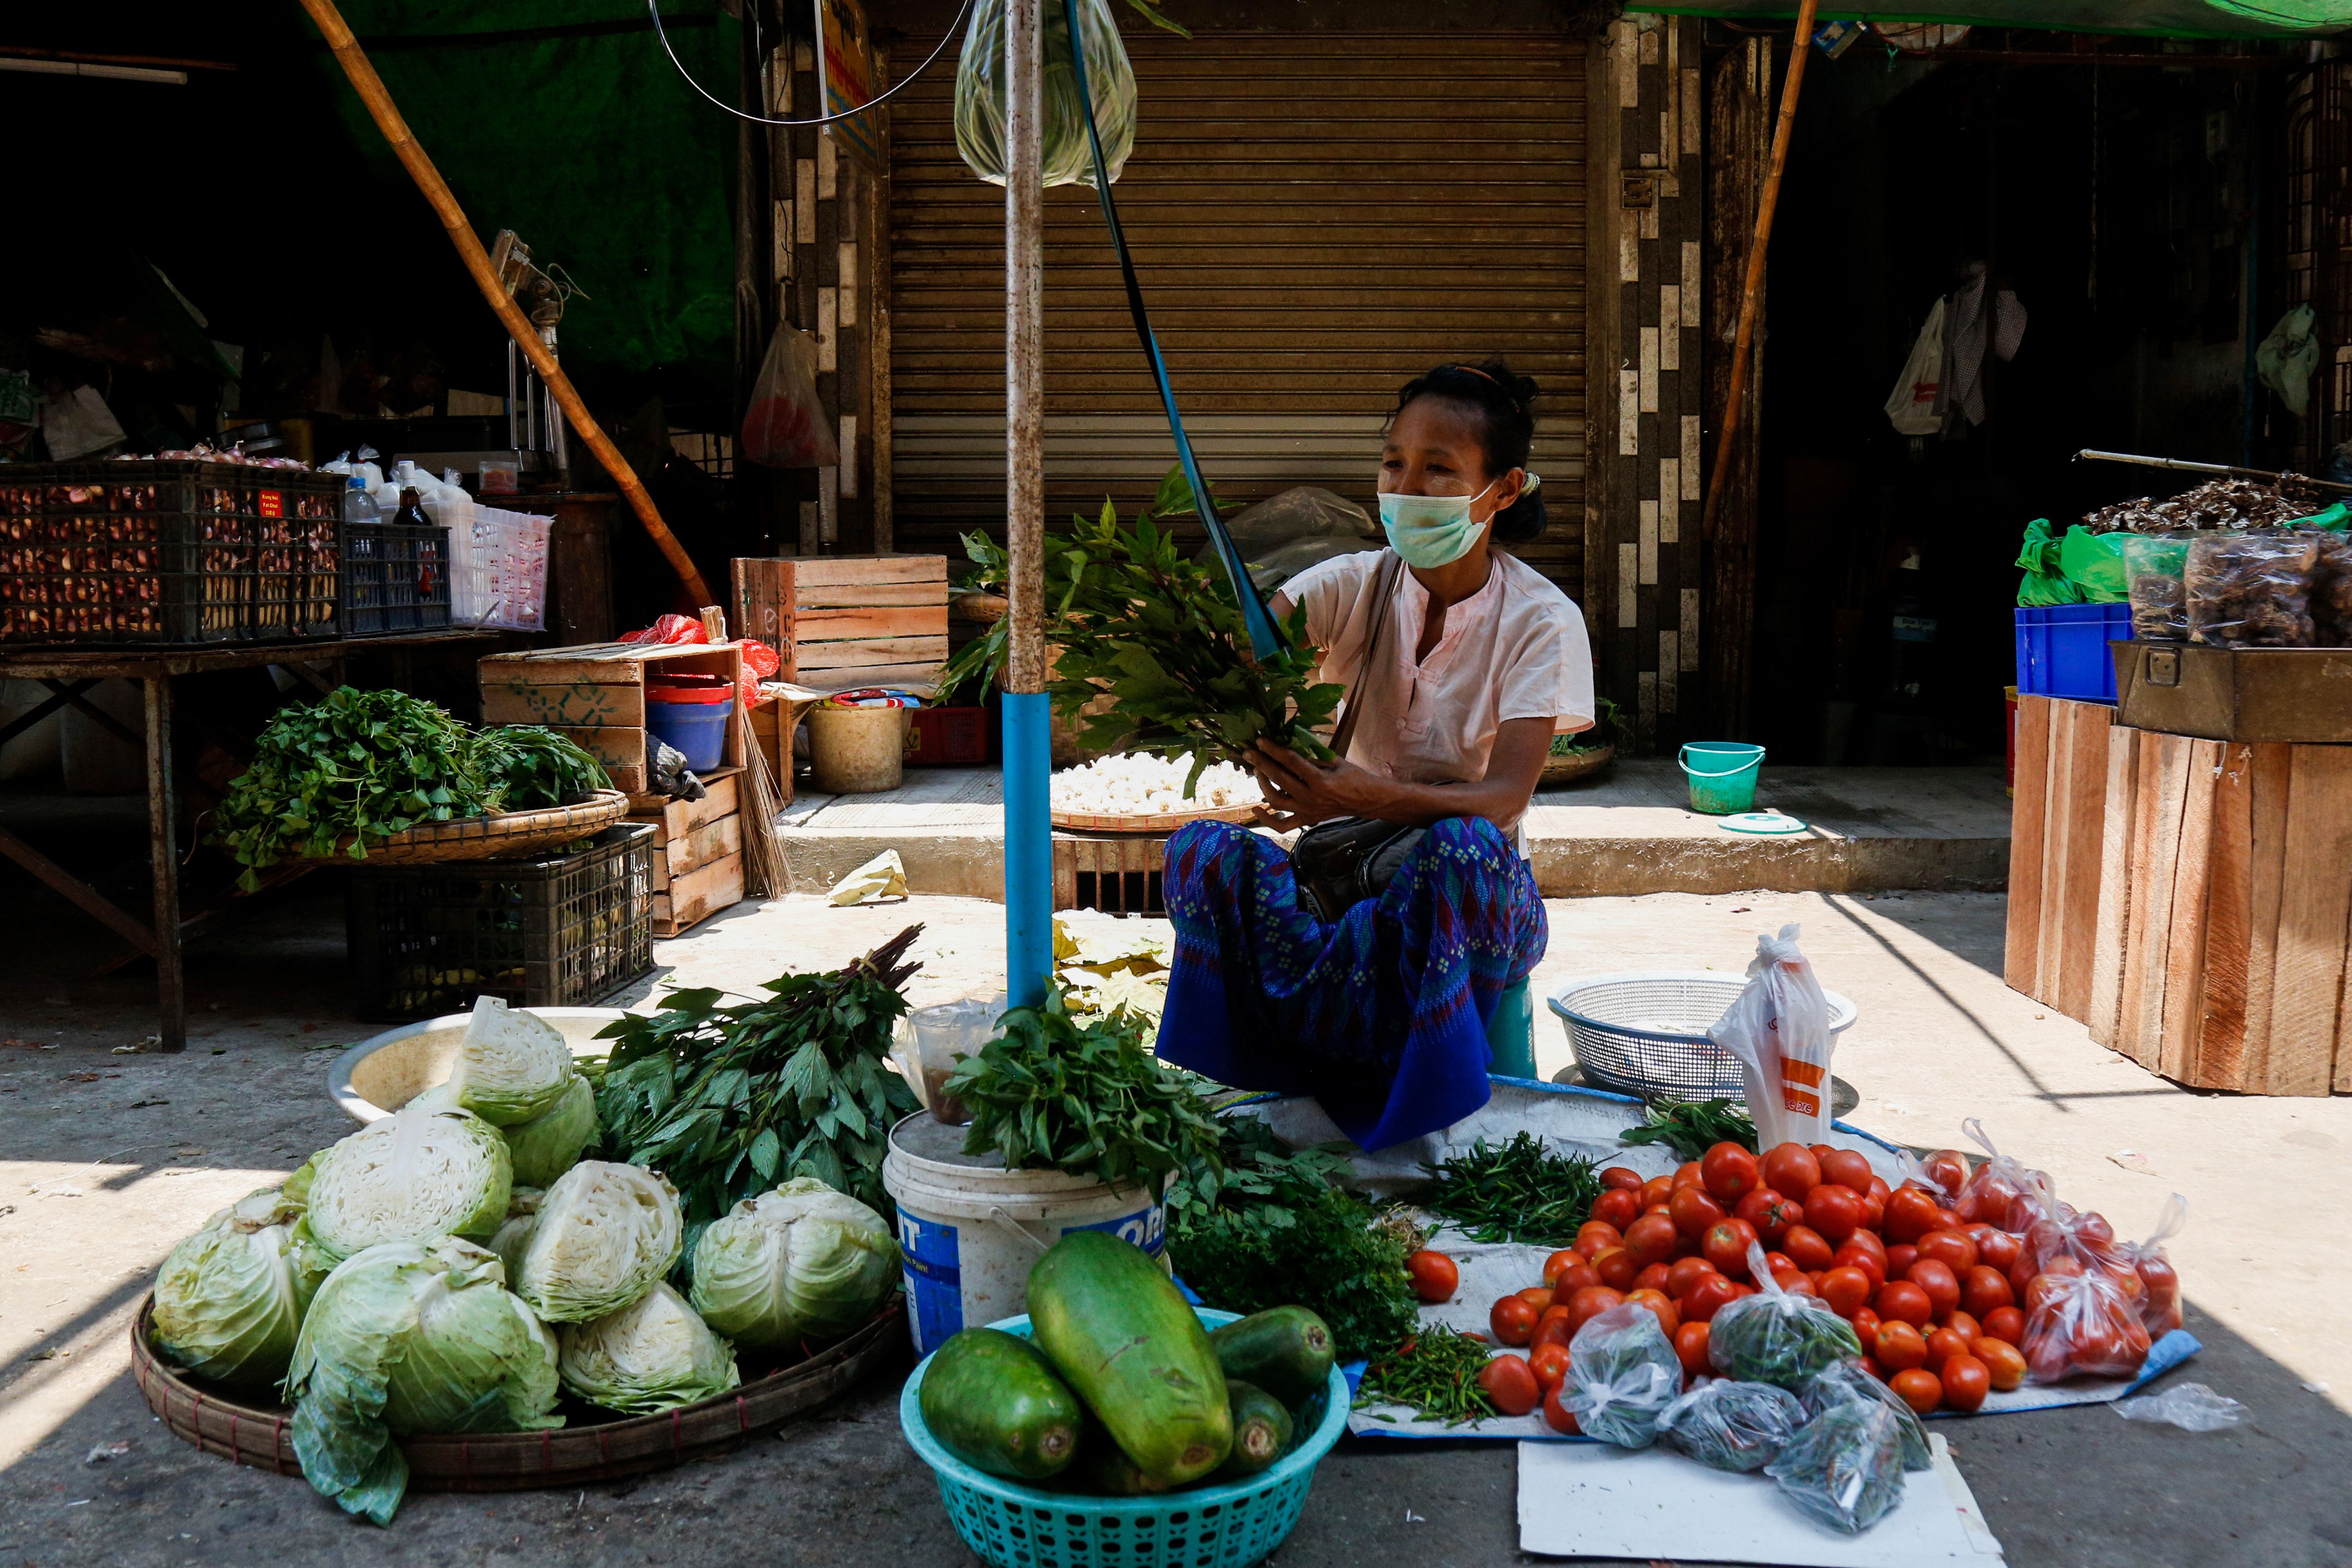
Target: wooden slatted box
column 2057, row 850
column 697, row 852
column 839, row 621
column 595, row 693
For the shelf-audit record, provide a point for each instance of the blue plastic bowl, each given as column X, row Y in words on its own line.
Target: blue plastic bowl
column 1230, row 1525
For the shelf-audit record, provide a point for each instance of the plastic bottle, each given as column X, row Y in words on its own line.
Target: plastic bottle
column 359, row 506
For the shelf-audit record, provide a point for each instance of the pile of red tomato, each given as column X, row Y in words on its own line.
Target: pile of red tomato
column 1952, row 1297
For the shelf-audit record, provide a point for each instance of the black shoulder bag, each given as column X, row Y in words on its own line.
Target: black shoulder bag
column 1340, row 862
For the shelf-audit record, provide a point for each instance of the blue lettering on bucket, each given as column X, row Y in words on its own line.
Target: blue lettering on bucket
column 1146, row 1229
column 934, row 1274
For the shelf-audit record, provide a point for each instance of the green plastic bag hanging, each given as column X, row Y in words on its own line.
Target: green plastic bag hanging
column 979, row 93
column 2094, row 563
column 2044, row 582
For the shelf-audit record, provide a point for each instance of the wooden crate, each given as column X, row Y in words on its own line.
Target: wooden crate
column 595, row 693
column 2056, row 849
column 2224, row 912
column 698, row 854
column 1116, row 873
column 839, row 621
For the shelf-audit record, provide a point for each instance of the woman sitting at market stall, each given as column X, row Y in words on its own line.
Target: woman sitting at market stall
column 1373, row 993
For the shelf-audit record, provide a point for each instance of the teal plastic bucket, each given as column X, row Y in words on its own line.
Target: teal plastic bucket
column 1511, row 1034
column 1722, row 775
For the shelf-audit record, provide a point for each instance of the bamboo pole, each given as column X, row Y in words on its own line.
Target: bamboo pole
column 371, row 89
column 1751, row 293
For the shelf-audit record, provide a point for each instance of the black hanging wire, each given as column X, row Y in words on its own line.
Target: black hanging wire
column 653, row 8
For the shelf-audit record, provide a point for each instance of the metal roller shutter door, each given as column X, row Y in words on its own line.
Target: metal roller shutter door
column 1317, row 217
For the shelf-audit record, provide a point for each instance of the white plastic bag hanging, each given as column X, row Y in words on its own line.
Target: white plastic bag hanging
column 979, row 93
column 1779, row 1027
column 785, row 426
column 1911, row 406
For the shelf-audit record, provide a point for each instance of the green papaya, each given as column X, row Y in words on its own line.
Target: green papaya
column 1287, row 1351
column 1261, row 1430
column 993, row 1401
column 1105, row 1470
column 1121, row 1336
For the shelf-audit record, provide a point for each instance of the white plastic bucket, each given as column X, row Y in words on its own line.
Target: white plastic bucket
column 971, row 1231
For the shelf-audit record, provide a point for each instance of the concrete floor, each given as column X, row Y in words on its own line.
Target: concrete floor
column 106, row 1159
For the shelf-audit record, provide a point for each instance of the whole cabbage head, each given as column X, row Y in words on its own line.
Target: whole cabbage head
column 549, row 1144
column 653, row 1355
column 801, row 1263
column 417, row 1177
column 511, row 1066
column 229, row 1297
column 406, row 1338
column 514, row 1233
column 603, row 1235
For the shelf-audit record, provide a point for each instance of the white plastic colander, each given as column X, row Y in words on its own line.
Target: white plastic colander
column 1644, row 1032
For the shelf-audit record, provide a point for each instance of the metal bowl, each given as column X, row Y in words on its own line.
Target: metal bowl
column 378, row 1076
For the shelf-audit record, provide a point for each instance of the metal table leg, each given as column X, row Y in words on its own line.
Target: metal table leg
column 171, row 990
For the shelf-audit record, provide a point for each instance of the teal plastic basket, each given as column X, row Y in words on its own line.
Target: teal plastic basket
column 1230, row 1525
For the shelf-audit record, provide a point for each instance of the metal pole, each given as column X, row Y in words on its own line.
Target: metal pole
column 2183, row 465
column 1028, row 824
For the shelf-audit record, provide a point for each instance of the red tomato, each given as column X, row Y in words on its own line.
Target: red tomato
column 1898, row 1348
column 1710, row 1295
column 1684, row 1273
column 1590, row 1303
column 1435, row 1277
column 1806, row 1247
column 1595, row 1234
column 1537, row 1296
column 1617, row 1266
column 1512, row 1319
column 1510, row 1385
column 1984, row 1290
column 1655, row 1302
column 1549, row 1364
column 1779, row 1263
column 1797, row 1283
column 1899, row 1258
column 1943, row 1287
column 1966, row 1325
column 1730, row 1172
column 1688, row 1174
column 1651, row 1239
column 1846, row 1168
column 1821, row 1151
column 1901, row 1300
column 1965, row 1380
column 1552, row 1330
column 1996, row 1247
column 1652, row 1278
column 1910, row 1213
column 1694, row 1211
column 1791, row 1168
column 1952, row 1249
column 1617, row 1178
column 1865, row 1327
column 1919, row 1388
column 1572, row 1279
column 1557, row 1417
column 1690, row 1349
column 1942, row 1345
column 1770, row 1214
column 1878, row 1188
column 2004, row 1363
column 1656, row 1190
column 1834, row 1210
column 1566, row 1258
column 2006, row 1324
column 1618, row 1207
column 1726, row 1244
column 1870, row 1263
column 1947, row 1168
column 1846, row 1290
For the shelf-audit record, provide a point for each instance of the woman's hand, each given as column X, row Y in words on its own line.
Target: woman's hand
column 1301, row 791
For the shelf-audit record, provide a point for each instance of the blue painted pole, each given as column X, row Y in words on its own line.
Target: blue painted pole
column 1028, row 850
column 1028, row 822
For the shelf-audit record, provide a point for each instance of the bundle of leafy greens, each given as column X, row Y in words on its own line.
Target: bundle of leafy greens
column 1164, row 636
column 359, row 767
column 1691, row 1127
column 1519, row 1191
column 727, row 1101
column 1607, row 729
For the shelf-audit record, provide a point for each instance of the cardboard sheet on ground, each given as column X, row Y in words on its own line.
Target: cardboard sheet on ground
column 1600, row 1501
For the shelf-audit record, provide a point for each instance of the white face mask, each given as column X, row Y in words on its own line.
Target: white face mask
column 1431, row 530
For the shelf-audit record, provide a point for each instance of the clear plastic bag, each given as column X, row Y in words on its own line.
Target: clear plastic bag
column 2159, row 1301
column 1994, row 1190
column 2251, row 590
column 785, row 426
column 1779, row 1027
column 1775, row 1337
column 1729, row 1426
column 2192, row 1407
column 2331, row 591
column 1853, row 1382
column 2078, row 1323
column 1844, row 1469
column 1621, row 1375
column 2159, row 598
column 980, row 94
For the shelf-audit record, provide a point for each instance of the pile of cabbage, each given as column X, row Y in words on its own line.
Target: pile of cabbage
column 458, row 1267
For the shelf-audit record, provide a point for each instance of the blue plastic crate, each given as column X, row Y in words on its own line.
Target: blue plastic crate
column 2061, row 650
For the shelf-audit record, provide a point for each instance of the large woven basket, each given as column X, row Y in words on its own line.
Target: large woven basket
column 516, row 1462
column 503, row 835
column 1567, row 768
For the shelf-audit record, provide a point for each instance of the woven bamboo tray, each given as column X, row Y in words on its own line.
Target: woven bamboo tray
column 503, row 835
column 1149, row 821
column 1568, row 769
column 518, row 1461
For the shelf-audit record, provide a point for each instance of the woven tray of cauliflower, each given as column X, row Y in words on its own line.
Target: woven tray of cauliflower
column 1143, row 793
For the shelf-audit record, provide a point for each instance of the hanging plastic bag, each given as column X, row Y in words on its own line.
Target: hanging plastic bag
column 1845, row 1468
column 2159, row 1305
column 1729, row 1425
column 1621, row 1375
column 1775, row 1337
column 785, row 426
column 1779, row 1027
column 1067, row 158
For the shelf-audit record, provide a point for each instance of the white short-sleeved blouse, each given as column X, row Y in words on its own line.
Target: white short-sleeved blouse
column 1515, row 649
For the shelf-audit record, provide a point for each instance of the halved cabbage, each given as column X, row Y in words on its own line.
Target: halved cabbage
column 417, row 1177
column 654, row 1353
column 604, row 1234
column 801, row 1263
column 404, row 1339
column 511, row 1065
column 229, row 1297
column 549, row 1144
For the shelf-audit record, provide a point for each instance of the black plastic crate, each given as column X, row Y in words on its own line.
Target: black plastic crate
column 167, row 551
column 552, row 931
column 395, row 577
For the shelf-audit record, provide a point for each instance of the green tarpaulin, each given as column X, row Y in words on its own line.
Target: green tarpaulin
column 562, row 120
column 2140, row 18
